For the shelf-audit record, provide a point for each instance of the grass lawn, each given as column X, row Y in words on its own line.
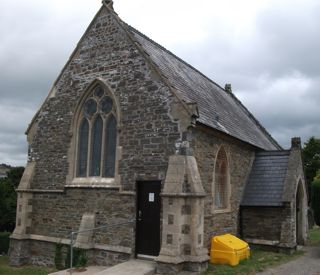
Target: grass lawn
column 5, row 269
column 259, row 261
column 314, row 236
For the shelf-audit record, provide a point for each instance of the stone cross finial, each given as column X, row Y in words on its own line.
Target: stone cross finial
column 108, row 3
column 296, row 142
column 228, row 88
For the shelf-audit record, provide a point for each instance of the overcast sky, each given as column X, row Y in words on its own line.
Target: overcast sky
column 267, row 49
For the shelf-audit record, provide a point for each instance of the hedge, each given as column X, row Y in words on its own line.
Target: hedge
column 315, row 200
column 4, row 242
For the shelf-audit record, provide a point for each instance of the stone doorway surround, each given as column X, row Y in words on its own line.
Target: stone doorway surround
column 301, row 218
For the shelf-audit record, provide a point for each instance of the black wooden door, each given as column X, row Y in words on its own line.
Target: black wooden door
column 148, row 218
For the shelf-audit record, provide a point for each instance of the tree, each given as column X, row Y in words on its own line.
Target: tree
column 315, row 198
column 8, row 198
column 14, row 175
column 311, row 159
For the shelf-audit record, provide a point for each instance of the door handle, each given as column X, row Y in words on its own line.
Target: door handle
column 139, row 215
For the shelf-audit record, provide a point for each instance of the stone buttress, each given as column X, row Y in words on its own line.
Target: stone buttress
column 183, row 216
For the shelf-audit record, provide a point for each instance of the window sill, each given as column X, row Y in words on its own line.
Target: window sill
column 93, row 182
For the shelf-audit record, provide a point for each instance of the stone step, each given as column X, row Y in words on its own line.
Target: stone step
column 132, row 267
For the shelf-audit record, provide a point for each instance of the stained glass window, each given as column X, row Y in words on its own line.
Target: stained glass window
column 98, row 92
column 110, row 147
column 106, row 104
column 97, row 136
column 90, row 107
column 96, row 147
column 83, row 148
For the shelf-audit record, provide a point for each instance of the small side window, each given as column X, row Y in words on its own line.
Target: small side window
column 221, row 188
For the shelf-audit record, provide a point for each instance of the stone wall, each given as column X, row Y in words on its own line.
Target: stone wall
column 295, row 189
column 56, row 215
column 147, row 135
column 206, row 144
column 262, row 222
column 19, row 252
column 287, row 223
column 41, row 253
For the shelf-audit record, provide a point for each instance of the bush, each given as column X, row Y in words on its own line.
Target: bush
column 8, row 198
column 79, row 258
column 58, row 256
column 315, row 200
column 4, row 242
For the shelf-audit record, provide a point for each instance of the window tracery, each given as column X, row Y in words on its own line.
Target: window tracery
column 97, row 136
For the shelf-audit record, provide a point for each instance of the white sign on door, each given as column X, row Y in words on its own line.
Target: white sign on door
column 151, row 197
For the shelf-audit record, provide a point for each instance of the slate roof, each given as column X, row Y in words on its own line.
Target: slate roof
column 266, row 181
column 218, row 109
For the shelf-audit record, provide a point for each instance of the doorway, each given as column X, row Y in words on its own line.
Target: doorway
column 148, row 218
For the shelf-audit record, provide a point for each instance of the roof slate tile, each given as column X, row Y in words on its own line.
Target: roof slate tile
column 266, row 180
column 218, row 109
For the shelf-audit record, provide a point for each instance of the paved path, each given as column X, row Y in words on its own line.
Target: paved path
column 308, row 264
column 89, row 271
column 132, row 267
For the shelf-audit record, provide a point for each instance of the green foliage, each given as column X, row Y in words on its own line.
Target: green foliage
column 258, row 261
column 8, row 198
column 14, row 175
column 58, row 256
column 311, row 159
column 315, row 200
column 4, row 242
column 317, row 177
column 8, row 204
column 79, row 258
column 314, row 236
column 82, row 262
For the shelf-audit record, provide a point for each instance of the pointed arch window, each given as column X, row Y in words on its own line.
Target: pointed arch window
column 221, row 186
column 97, row 136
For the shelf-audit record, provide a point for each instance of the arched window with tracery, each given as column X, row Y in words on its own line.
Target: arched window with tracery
column 97, row 136
column 221, row 181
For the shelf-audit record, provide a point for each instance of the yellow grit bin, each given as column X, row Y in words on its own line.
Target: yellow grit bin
column 228, row 249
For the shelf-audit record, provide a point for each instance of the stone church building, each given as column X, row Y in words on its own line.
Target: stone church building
column 132, row 136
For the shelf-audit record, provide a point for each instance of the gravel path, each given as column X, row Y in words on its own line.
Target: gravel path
column 308, row 264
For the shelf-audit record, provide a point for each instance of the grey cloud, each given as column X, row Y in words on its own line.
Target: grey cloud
column 35, row 46
column 283, row 134
column 37, row 40
column 274, row 69
column 291, row 33
column 275, row 72
column 285, row 38
column 13, row 145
